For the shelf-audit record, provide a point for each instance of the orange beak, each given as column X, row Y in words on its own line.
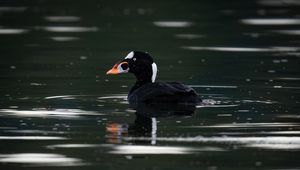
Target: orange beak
column 116, row 69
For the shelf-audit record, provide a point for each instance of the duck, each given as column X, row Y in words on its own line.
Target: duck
column 146, row 90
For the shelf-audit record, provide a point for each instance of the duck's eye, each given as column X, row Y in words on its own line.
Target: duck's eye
column 134, row 59
column 124, row 66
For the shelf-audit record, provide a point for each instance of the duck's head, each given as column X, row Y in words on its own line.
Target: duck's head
column 139, row 63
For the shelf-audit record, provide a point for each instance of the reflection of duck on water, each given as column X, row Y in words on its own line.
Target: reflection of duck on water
column 145, row 124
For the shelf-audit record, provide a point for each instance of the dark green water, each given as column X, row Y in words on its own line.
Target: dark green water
column 59, row 110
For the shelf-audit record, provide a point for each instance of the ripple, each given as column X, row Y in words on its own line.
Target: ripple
column 138, row 149
column 40, row 159
column 283, row 132
column 62, row 96
column 225, row 139
column 12, row 9
column 249, row 125
column 273, row 21
column 224, row 115
column 259, row 101
column 189, row 36
column 214, row 86
column 279, row 141
column 289, row 78
column 7, row 128
column 76, row 146
column 289, row 32
column 55, row 112
column 279, row 2
column 285, row 87
column 208, row 103
column 243, row 49
column 173, row 24
column 216, row 106
column 261, row 133
column 34, row 131
column 70, row 29
column 62, row 18
column 37, row 84
column 289, row 116
column 275, row 146
column 12, row 31
column 141, row 149
column 64, row 39
column 114, row 97
column 121, row 99
column 32, row 138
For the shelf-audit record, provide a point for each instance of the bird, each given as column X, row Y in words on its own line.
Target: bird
column 146, row 90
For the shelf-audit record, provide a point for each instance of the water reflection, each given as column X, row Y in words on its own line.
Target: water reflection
column 145, row 123
column 289, row 32
column 62, row 18
column 12, row 31
column 33, row 131
column 275, row 146
column 64, row 39
column 189, row 36
column 247, row 73
column 47, row 138
column 173, row 24
column 279, row 3
column 144, row 149
column 129, row 150
column 214, row 86
column 140, row 149
column 12, row 9
column 40, row 159
column 251, row 125
column 278, row 142
column 273, row 21
column 243, row 49
column 63, row 97
column 76, row 146
column 69, row 29
column 142, row 126
column 42, row 112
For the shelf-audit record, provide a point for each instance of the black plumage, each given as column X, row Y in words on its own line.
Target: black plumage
column 146, row 90
column 159, row 92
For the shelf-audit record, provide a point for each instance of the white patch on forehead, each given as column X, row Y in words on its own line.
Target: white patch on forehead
column 130, row 55
column 154, row 72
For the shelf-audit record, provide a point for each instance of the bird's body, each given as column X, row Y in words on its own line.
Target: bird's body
column 162, row 93
column 146, row 90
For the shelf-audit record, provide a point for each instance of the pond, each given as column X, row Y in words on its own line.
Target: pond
column 59, row 109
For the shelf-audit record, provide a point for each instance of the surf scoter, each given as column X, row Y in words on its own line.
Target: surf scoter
column 146, row 90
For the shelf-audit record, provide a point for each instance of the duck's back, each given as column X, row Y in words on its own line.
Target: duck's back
column 171, row 92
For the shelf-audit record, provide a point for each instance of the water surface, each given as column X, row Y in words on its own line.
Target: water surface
column 59, row 109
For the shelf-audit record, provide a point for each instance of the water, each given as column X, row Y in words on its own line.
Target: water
column 59, row 109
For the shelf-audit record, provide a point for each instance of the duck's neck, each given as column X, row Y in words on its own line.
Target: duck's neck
column 144, row 75
column 138, row 84
column 141, row 83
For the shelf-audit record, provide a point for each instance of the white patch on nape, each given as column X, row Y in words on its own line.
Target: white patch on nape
column 130, row 55
column 154, row 72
